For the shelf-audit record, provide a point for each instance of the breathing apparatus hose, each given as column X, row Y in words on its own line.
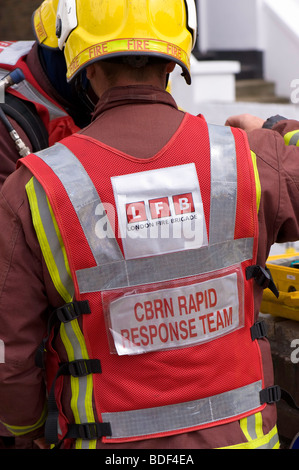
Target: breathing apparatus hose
column 13, row 78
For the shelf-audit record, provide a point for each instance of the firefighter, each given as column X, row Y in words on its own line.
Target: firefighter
column 42, row 108
column 133, row 264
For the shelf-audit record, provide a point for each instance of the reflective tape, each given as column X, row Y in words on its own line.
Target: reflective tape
column 50, row 240
column 141, row 271
column 82, row 387
column 85, row 200
column 223, row 184
column 258, row 188
column 2, row 352
column 54, row 254
column 192, row 414
column 112, row 270
column 117, row 46
column 292, row 138
column 266, row 442
column 21, row 430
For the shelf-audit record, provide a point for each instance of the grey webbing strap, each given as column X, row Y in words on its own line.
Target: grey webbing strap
column 223, row 184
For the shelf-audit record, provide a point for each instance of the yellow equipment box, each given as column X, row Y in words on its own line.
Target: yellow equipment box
column 285, row 273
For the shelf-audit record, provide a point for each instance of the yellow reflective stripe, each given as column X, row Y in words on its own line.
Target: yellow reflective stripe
column 54, row 253
column 115, row 46
column 21, row 430
column 243, row 425
column 259, row 425
column 257, row 181
column 59, row 237
column 292, row 138
column 74, row 343
column 268, row 441
column 252, row 426
column 44, row 243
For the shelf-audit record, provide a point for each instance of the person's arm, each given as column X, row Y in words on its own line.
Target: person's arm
column 278, row 169
column 287, row 128
column 247, row 122
column 23, row 315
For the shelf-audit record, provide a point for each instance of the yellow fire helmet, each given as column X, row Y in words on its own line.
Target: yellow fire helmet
column 44, row 24
column 91, row 30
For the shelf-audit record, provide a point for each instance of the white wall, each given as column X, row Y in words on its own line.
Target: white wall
column 271, row 26
column 281, row 42
column 230, row 24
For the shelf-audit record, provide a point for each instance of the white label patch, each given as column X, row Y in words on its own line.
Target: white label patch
column 160, row 211
column 2, row 355
column 176, row 317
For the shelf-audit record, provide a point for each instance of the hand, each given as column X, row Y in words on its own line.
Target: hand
column 41, row 443
column 247, row 122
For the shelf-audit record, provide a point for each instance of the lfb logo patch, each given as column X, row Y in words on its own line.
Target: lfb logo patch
column 159, row 208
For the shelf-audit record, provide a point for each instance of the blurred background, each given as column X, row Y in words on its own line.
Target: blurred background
column 15, row 19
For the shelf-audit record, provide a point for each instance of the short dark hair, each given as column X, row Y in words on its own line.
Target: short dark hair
column 138, row 67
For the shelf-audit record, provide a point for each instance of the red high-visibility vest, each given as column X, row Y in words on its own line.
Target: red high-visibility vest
column 171, row 315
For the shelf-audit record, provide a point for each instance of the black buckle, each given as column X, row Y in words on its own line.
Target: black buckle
column 82, row 367
column 72, row 310
column 258, row 330
column 89, row 431
column 262, row 277
column 270, row 395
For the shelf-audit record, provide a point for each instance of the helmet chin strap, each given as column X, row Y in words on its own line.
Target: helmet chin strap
column 85, row 92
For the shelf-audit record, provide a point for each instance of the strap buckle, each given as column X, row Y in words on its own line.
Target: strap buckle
column 270, row 395
column 72, row 310
column 262, row 277
column 258, row 330
column 88, row 431
column 83, row 367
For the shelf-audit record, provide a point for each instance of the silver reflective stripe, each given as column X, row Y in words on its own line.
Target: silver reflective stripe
column 251, row 427
column 184, row 415
column 141, row 271
column 112, row 271
column 252, row 432
column 85, row 200
column 81, row 386
column 27, row 90
column 294, row 139
column 223, row 184
column 53, row 241
column 271, row 444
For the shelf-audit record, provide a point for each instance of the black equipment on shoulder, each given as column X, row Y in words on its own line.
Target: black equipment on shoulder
column 25, row 114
